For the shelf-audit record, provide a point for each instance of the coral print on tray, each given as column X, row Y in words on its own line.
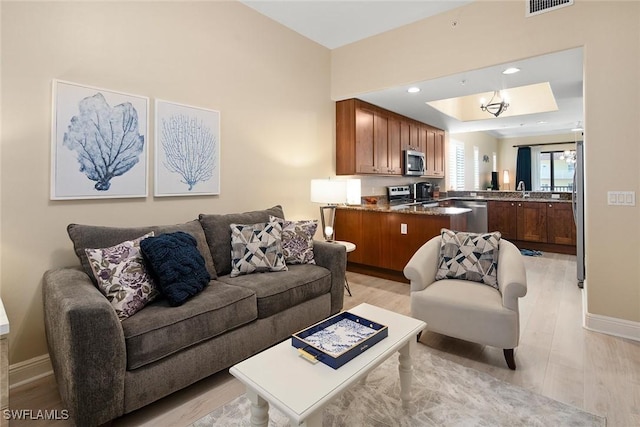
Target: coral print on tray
column 187, row 150
column 99, row 143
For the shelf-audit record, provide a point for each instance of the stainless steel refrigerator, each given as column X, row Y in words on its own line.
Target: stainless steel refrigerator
column 578, row 210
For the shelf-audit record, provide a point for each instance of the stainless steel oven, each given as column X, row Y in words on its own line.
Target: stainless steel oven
column 414, row 163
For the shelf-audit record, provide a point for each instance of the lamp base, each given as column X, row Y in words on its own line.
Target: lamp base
column 328, row 218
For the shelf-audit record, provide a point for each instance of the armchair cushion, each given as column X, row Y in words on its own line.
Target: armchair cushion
column 469, row 256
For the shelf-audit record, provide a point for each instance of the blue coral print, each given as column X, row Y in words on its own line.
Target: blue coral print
column 106, row 139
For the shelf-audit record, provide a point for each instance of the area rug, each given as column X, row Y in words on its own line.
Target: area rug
column 444, row 394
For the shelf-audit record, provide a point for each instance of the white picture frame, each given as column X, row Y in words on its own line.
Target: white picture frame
column 187, row 150
column 99, row 143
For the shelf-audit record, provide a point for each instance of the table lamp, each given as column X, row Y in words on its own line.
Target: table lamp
column 505, row 178
column 332, row 192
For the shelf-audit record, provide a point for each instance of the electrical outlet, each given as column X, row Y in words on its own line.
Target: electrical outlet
column 473, row 194
column 403, row 228
column 555, row 196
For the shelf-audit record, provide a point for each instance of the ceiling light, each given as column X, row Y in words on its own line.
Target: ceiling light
column 511, row 70
column 496, row 106
column 413, row 89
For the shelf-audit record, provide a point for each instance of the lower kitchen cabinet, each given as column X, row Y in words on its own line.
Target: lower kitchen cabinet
column 502, row 216
column 379, row 237
column 534, row 225
column 532, row 221
column 561, row 228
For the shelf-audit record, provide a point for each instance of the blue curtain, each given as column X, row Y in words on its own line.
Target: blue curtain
column 523, row 167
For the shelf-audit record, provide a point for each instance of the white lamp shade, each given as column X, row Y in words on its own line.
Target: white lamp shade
column 505, row 177
column 329, row 191
column 354, row 192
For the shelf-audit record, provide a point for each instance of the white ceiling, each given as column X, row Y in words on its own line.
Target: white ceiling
column 337, row 23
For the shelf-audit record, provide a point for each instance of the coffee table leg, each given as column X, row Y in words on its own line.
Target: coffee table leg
column 405, row 369
column 259, row 409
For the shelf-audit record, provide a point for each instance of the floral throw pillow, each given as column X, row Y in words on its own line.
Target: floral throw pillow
column 297, row 240
column 122, row 276
column 256, row 248
column 469, row 256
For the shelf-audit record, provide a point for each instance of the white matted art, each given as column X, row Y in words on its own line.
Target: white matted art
column 187, row 150
column 99, row 143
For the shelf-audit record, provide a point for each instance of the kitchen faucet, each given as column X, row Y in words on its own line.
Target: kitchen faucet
column 521, row 188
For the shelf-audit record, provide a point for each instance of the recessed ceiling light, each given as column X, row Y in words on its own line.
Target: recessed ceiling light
column 413, row 89
column 511, row 70
column 541, row 122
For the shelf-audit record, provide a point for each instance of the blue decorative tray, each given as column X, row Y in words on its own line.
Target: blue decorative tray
column 338, row 339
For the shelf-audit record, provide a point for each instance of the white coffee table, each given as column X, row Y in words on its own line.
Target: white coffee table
column 299, row 389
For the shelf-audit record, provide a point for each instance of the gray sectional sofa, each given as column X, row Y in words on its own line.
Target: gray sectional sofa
column 106, row 367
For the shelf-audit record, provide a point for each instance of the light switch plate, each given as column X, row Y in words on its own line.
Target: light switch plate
column 403, row 228
column 621, row 198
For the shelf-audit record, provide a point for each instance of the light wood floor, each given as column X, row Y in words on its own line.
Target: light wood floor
column 556, row 356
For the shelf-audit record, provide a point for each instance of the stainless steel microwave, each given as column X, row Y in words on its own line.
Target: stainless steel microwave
column 414, row 163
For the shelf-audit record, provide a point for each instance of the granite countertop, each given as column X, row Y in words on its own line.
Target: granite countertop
column 508, row 199
column 417, row 209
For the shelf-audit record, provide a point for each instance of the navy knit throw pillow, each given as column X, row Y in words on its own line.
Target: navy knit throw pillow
column 177, row 266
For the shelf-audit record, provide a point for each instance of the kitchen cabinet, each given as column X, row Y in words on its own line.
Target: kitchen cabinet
column 363, row 143
column 380, row 242
column 561, row 228
column 502, row 217
column 370, row 140
column 532, row 221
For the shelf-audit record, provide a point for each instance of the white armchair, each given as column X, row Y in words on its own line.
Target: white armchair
column 468, row 310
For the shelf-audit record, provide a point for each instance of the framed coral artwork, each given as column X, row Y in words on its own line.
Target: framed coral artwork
column 187, row 150
column 99, row 143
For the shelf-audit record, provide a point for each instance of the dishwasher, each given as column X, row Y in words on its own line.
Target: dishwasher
column 477, row 218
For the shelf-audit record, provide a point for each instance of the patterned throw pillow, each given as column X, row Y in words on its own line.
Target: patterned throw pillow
column 122, row 276
column 256, row 248
column 469, row 256
column 177, row 266
column 297, row 240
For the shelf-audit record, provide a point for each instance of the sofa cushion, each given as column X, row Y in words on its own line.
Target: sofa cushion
column 122, row 276
column 176, row 265
column 297, row 240
column 469, row 256
column 280, row 290
column 160, row 330
column 256, row 248
column 218, row 233
column 92, row 236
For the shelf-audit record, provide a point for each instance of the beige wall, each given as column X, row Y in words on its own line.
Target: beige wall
column 609, row 32
column 487, row 145
column 270, row 85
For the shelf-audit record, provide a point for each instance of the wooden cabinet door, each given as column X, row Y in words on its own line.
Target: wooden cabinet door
column 439, row 161
column 348, row 227
column 380, row 144
column 394, row 147
column 414, row 132
column 365, row 151
column 561, row 228
column 502, row 217
column 372, row 237
column 430, row 152
column 532, row 221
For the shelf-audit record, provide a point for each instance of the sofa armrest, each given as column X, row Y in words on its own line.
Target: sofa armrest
column 512, row 277
column 333, row 257
column 86, row 346
column 423, row 265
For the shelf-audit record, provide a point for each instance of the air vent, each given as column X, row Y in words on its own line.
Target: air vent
column 536, row 7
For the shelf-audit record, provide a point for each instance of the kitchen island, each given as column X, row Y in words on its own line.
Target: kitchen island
column 387, row 236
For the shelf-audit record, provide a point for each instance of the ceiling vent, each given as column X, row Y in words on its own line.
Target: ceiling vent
column 536, row 7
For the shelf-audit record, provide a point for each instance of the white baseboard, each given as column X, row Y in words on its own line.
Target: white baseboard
column 612, row 326
column 22, row 373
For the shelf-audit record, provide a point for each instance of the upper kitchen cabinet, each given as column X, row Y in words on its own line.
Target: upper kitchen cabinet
column 370, row 140
column 363, row 141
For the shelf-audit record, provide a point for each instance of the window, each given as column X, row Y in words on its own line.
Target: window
column 456, row 165
column 555, row 171
column 476, row 168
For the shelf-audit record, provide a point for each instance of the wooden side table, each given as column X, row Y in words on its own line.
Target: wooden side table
column 350, row 247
